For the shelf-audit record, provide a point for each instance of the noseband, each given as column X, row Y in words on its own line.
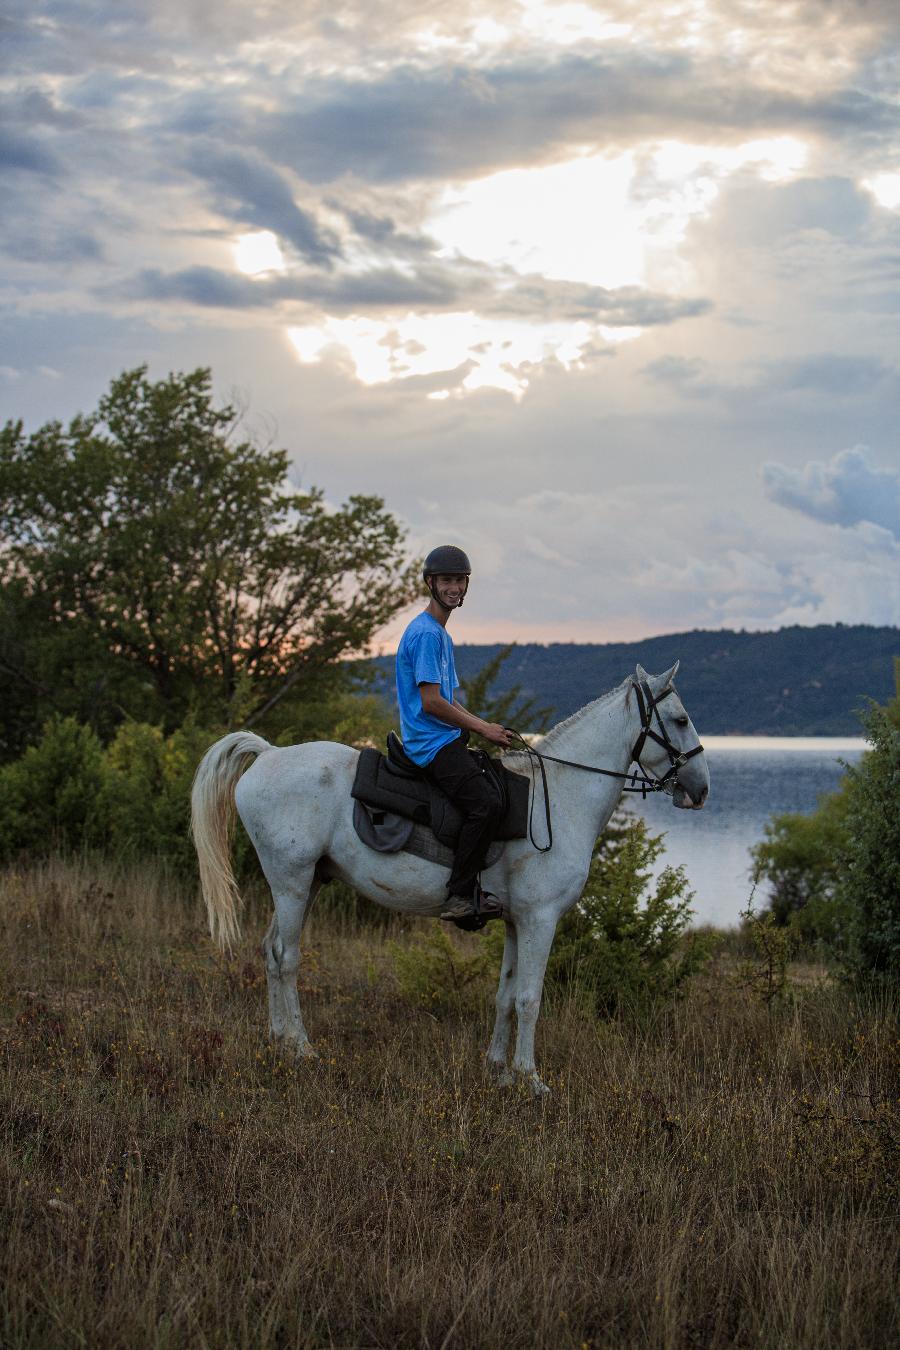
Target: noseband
column 634, row 782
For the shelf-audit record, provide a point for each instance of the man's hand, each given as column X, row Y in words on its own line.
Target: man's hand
column 496, row 734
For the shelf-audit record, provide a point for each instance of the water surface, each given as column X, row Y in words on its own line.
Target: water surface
column 751, row 779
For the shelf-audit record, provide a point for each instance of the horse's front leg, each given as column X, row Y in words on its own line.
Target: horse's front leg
column 535, row 938
column 505, row 1002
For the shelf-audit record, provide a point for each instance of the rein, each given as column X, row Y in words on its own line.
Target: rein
column 634, row 781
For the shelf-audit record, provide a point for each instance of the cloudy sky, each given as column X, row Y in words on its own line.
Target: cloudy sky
column 606, row 292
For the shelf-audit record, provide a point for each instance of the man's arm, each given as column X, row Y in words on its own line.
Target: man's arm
column 455, row 715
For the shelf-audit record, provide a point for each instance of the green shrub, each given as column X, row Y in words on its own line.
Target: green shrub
column 131, row 799
column 436, row 972
column 52, row 797
column 622, row 947
column 799, row 854
column 146, row 792
column 835, row 874
column 869, row 882
column 772, row 944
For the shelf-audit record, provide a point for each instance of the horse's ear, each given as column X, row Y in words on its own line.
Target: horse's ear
column 640, row 672
column 666, row 680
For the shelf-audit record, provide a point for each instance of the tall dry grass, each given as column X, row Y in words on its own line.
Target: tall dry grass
column 717, row 1174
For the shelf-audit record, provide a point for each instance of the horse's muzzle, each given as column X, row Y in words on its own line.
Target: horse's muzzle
column 682, row 799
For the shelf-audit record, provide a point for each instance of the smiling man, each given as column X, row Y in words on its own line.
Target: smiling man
column 435, row 728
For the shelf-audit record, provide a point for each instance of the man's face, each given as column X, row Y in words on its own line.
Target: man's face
column 451, row 587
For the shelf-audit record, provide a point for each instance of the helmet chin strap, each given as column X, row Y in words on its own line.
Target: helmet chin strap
column 448, row 608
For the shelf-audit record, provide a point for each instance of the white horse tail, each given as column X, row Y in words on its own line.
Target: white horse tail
column 212, row 820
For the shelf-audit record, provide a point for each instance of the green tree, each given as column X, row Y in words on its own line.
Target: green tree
column 830, row 872
column 800, row 858
column 154, row 561
column 508, row 708
column 53, row 796
column 868, row 886
column 624, row 945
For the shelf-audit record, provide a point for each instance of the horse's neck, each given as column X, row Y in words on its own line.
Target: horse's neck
column 600, row 735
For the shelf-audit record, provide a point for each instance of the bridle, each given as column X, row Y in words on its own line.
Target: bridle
column 677, row 758
column 648, row 706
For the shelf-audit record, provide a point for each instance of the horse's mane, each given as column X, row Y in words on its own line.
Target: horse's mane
column 548, row 740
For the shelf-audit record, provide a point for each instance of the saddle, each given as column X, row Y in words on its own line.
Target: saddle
column 391, row 785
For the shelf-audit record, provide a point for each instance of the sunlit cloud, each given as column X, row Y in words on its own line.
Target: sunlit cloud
column 597, row 217
column 566, row 24
column 599, row 220
column 258, row 253
column 478, row 353
column 885, row 188
column 570, row 221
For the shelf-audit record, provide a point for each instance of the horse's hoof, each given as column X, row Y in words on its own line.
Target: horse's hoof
column 500, row 1075
column 531, row 1084
column 303, row 1050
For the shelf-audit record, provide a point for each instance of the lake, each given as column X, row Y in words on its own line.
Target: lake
column 752, row 778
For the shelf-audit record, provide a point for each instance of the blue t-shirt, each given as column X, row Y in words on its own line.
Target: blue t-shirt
column 425, row 656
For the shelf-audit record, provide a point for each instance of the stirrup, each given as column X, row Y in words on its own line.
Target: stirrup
column 487, row 907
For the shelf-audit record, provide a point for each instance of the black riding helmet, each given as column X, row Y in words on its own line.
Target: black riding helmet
column 446, row 560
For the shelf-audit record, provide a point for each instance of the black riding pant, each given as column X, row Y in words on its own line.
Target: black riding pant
column 472, row 792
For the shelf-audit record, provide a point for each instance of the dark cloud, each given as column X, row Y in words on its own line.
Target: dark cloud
column 621, row 307
column 760, row 213
column 436, row 287
column 19, row 150
column 836, row 375
column 453, row 122
column 678, row 371
column 383, row 231
column 44, row 242
column 248, row 188
column 209, row 286
column 847, row 490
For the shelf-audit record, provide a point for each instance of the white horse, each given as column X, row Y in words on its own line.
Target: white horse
column 296, row 807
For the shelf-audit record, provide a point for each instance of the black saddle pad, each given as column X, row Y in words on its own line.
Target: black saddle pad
column 393, row 786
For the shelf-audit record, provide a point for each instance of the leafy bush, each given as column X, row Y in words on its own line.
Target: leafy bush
column 130, row 799
column 435, row 972
column 52, row 796
column 869, row 882
column 621, row 946
column 146, row 793
column 835, row 874
column 617, row 948
column 800, row 858
column 772, row 944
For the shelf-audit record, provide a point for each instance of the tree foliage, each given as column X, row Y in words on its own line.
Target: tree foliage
column 868, row 886
column 507, row 706
column 624, row 945
column 156, row 562
column 800, row 856
column 835, row 874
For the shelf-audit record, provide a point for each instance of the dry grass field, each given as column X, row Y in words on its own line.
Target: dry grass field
column 717, row 1174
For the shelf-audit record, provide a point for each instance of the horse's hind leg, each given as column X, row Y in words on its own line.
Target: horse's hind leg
column 281, row 947
column 505, row 1003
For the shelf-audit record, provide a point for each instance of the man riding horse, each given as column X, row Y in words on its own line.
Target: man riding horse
column 435, row 728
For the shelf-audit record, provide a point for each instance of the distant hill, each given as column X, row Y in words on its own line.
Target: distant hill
column 793, row 682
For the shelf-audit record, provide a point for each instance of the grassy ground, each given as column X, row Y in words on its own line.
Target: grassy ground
column 720, row 1174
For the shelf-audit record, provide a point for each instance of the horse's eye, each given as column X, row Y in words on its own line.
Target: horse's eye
column 682, row 722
